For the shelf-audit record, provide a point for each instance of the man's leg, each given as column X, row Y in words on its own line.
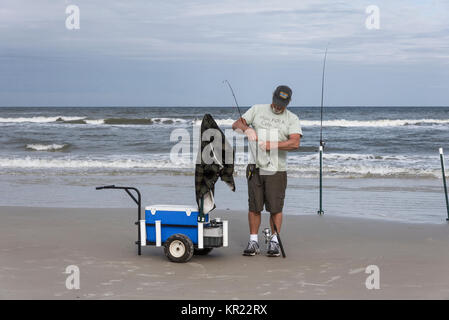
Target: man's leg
column 275, row 186
column 275, row 194
column 254, row 219
column 277, row 218
column 255, row 204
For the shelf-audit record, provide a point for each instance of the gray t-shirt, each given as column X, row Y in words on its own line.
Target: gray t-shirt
column 271, row 127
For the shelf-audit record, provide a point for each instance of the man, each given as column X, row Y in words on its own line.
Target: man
column 267, row 178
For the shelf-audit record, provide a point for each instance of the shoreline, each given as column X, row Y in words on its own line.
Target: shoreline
column 327, row 258
column 409, row 201
column 360, row 219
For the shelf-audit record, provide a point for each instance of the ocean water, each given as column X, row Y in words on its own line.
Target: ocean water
column 47, row 146
column 360, row 142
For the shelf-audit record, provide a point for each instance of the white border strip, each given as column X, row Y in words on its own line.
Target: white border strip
column 158, row 232
column 143, row 233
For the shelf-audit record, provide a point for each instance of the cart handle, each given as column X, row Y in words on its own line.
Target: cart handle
column 137, row 201
column 106, row 187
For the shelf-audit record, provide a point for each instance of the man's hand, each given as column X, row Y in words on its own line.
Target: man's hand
column 251, row 134
column 241, row 126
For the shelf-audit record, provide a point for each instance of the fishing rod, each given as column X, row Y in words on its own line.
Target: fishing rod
column 235, row 99
column 444, row 182
column 250, row 145
column 320, row 211
column 271, row 217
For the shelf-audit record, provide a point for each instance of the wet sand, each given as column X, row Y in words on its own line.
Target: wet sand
column 326, row 259
column 402, row 200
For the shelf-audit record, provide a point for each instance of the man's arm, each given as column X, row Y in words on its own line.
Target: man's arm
column 292, row 143
column 241, row 126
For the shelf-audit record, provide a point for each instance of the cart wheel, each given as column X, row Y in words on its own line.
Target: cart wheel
column 202, row 252
column 178, row 248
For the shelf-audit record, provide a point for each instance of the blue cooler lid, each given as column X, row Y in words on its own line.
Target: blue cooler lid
column 164, row 207
column 173, row 214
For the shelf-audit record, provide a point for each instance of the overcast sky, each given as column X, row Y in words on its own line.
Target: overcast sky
column 177, row 53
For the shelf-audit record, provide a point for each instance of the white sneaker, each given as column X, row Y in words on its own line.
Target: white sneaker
column 252, row 249
column 273, row 249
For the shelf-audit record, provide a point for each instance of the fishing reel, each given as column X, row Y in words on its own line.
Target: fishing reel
column 268, row 236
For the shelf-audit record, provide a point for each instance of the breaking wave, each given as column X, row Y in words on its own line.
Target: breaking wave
column 222, row 122
column 375, row 123
column 144, row 121
column 39, row 119
column 47, row 147
column 110, row 121
column 300, row 165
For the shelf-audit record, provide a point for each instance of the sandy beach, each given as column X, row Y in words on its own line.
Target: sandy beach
column 345, row 102
column 326, row 259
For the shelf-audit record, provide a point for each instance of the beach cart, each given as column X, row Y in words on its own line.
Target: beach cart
column 182, row 230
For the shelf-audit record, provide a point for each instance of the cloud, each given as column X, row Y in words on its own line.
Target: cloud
column 138, row 51
column 229, row 30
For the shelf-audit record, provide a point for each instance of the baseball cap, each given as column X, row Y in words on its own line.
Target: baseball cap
column 282, row 96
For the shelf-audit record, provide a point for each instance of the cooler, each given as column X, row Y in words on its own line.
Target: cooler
column 162, row 221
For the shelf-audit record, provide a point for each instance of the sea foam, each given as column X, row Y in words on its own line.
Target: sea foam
column 46, row 147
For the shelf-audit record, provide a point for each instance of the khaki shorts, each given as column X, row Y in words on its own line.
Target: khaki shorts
column 266, row 189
